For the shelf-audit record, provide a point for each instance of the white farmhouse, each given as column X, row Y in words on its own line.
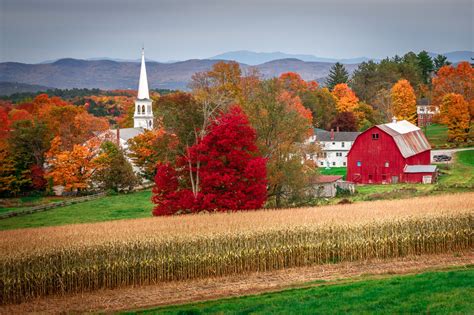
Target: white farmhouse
column 334, row 147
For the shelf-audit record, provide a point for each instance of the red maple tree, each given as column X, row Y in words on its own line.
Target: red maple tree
column 231, row 175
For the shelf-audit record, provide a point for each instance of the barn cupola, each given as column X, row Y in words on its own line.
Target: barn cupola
column 143, row 117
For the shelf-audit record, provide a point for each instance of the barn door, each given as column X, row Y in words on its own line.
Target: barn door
column 394, row 179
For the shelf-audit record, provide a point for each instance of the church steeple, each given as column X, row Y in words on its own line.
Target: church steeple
column 143, row 83
column 143, row 117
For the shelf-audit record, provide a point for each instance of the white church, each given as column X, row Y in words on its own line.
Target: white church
column 143, row 116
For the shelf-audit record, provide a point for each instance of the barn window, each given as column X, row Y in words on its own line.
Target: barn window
column 359, row 163
column 387, row 164
column 375, row 136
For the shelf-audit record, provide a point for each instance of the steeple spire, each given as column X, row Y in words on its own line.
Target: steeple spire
column 143, row 83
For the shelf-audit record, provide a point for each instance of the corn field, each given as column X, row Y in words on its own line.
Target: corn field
column 46, row 261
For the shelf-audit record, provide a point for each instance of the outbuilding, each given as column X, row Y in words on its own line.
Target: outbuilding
column 391, row 153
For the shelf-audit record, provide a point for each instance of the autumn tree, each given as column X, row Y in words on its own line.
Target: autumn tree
column 114, row 172
column 450, row 79
column 347, row 101
column 404, row 101
column 151, row 148
column 337, row 74
column 344, row 121
column 283, row 125
column 455, row 113
column 12, row 180
column 73, row 168
column 232, row 175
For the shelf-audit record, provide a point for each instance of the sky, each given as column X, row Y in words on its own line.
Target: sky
column 33, row 31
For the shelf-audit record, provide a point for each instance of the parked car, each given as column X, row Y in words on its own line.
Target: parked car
column 441, row 158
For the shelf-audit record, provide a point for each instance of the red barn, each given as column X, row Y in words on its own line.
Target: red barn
column 391, row 153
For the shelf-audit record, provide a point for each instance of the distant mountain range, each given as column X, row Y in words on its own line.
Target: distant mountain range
column 256, row 58
column 108, row 73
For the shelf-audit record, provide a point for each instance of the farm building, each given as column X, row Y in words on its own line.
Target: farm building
column 391, row 153
column 334, row 147
column 326, row 185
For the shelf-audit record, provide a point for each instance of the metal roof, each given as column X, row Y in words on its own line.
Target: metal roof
column 127, row 133
column 409, row 139
column 338, row 136
column 420, row 168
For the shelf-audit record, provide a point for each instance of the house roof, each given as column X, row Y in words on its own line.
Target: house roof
column 338, row 136
column 409, row 139
column 420, row 169
column 321, row 179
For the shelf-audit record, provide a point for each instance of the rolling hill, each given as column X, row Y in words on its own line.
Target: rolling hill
column 107, row 74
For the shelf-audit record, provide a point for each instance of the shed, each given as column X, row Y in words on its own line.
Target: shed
column 326, row 185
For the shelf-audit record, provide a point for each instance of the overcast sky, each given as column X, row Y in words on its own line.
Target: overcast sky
column 37, row 30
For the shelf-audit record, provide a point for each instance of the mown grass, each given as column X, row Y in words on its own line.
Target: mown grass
column 444, row 292
column 134, row 205
column 334, row 171
column 437, row 134
column 461, row 172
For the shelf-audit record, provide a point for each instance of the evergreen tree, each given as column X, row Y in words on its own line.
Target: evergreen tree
column 337, row 74
column 426, row 66
column 440, row 61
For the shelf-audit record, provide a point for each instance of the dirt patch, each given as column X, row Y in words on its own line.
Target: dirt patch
column 214, row 288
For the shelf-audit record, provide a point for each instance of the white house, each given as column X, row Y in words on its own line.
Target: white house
column 334, row 147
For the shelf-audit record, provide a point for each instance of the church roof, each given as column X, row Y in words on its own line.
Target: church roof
column 127, row 133
column 143, row 92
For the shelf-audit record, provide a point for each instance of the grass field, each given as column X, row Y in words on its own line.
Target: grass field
column 334, row 171
column 81, row 258
column 437, row 135
column 462, row 173
column 427, row 293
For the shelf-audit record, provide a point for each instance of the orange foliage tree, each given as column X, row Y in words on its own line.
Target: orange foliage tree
column 404, row 101
column 151, row 148
column 347, row 101
column 455, row 113
column 450, row 79
column 73, row 168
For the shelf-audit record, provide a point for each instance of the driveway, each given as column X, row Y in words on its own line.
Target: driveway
column 448, row 152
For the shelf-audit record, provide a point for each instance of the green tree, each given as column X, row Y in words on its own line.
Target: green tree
column 115, row 171
column 440, row 61
column 322, row 105
column 426, row 66
column 337, row 74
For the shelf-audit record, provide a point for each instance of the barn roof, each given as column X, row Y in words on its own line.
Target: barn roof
column 409, row 139
column 420, row 169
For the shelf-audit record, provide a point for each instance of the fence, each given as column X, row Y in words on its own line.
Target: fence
column 51, row 205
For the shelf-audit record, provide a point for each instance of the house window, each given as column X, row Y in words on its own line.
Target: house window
column 334, row 143
column 387, row 164
column 344, row 163
column 375, row 136
column 342, row 144
column 333, row 163
column 359, row 163
column 338, row 153
column 322, row 163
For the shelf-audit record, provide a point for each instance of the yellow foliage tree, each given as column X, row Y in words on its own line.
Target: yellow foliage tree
column 404, row 101
column 455, row 113
column 347, row 101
